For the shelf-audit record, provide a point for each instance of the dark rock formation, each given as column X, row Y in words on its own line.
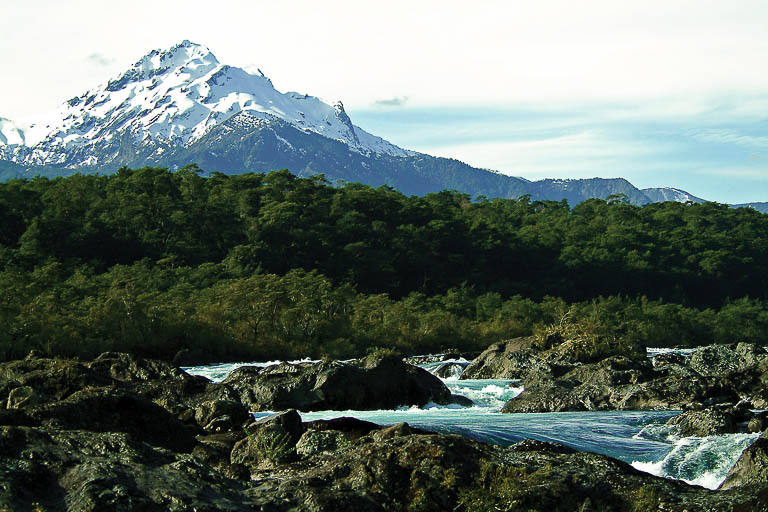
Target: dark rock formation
column 717, row 374
column 376, row 382
column 511, row 359
column 715, row 360
column 221, row 415
column 711, row 421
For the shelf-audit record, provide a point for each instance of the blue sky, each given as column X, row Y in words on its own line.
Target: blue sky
column 720, row 155
column 661, row 92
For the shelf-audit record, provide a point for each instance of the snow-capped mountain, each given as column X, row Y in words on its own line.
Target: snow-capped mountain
column 182, row 106
column 173, row 98
column 659, row 195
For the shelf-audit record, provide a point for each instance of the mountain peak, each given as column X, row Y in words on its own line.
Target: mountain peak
column 171, row 98
column 185, row 57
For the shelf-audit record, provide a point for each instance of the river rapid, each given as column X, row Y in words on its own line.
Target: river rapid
column 640, row 438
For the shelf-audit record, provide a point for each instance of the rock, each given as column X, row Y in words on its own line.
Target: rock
column 317, row 442
column 452, row 473
column 617, row 383
column 215, row 449
column 717, row 360
column 377, row 382
column 751, row 468
column 710, row 421
column 114, row 448
column 22, row 396
column 758, row 423
column 553, row 397
column 128, row 368
column 397, row 430
column 221, row 415
column 669, row 358
column 52, row 379
column 288, row 422
column 86, row 470
column 613, row 371
column 270, row 439
column 352, row 428
column 461, row 400
column 109, row 410
column 512, row 359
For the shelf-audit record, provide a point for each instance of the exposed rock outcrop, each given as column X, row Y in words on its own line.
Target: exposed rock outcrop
column 511, row 359
column 717, row 374
column 376, row 382
column 713, row 420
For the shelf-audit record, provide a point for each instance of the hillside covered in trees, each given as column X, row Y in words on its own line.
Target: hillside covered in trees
column 266, row 266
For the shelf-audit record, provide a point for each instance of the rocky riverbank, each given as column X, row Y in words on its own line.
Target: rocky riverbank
column 121, row 433
column 555, row 380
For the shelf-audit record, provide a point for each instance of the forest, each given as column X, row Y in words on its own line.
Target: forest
column 264, row 266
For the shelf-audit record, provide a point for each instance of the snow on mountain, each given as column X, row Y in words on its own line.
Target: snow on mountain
column 10, row 133
column 175, row 97
column 659, row 195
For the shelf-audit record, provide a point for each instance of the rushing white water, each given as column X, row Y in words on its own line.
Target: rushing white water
column 218, row 372
column 653, row 352
column 640, row 438
column 703, row 461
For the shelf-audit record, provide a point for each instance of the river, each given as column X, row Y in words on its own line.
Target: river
column 640, row 438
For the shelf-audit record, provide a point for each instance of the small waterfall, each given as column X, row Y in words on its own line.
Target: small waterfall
column 447, row 370
column 703, row 461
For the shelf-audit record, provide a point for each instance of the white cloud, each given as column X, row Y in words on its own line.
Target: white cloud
column 731, row 137
column 565, row 156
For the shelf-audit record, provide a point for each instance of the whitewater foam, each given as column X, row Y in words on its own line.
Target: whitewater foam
column 703, row 461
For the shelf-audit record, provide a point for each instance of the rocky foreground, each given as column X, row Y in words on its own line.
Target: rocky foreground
column 121, row 433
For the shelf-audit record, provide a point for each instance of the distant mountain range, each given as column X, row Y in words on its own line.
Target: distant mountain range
column 182, row 106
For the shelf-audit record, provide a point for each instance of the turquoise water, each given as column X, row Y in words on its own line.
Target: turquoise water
column 636, row 437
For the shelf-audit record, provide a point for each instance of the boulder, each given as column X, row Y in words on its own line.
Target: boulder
column 376, row 382
column 719, row 360
column 51, row 379
column 55, row 469
column 512, row 359
column 110, row 410
column 221, row 415
column 131, row 369
column 758, row 423
column 711, row 421
column 397, row 430
column 318, row 442
column 352, row 428
column 215, row 449
column 23, row 396
column 613, row 371
column 270, row 439
column 557, row 396
column 461, row 400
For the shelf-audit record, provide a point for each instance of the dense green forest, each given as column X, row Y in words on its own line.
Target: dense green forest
column 275, row 266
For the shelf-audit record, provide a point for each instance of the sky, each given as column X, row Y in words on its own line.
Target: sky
column 662, row 93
